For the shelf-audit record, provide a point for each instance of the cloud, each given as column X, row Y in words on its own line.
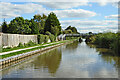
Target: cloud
column 64, row 5
column 112, row 16
column 60, row 0
column 89, row 22
column 92, row 25
column 74, row 13
column 13, row 10
column 101, row 2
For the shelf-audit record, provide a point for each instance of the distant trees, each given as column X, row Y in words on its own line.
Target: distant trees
column 70, row 30
column 90, row 33
column 52, row 24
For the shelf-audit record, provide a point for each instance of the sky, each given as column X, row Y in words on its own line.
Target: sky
column 87, row 16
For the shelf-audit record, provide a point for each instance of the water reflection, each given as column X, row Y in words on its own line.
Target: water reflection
column 50, row 60
column 72, row 46
column 107, row 55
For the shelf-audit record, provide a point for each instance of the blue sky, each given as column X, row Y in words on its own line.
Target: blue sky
column 85, row 16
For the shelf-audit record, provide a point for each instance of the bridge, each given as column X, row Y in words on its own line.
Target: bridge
column 63, row 36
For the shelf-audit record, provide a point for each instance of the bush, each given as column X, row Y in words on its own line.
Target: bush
column 52, row 38
column 30, row 43
column 41, row 38
column 47, row 33
column 20, row 45
column 46, row 38
column 107, row 40
column 104, row 40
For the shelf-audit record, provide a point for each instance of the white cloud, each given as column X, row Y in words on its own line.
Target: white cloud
column 13, row 10
column 112, row 16
column 74, row 13
column 93, row 25
column 89, row 22
column 101, row 2
column 115, row 4
column 64, row 5
column 60, row 0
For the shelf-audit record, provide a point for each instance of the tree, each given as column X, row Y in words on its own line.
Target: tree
column 4, row 27
column 20, row 26
column 34, row 27
column 40, row 20
column 90, row 32
column 69, row 31
column 51, row 22
column 73, row 29
column 55, row 30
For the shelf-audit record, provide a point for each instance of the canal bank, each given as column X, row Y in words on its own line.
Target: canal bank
column 19, row 57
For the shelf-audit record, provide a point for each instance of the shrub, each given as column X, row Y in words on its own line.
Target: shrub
column 41, row 38
column 52, row 38
column 47, row 33
column 46, row 38
column 20, row 45
column 30, row 43
column 107, row 40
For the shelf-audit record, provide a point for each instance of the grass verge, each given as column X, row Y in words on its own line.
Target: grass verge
column 28, row 50
column 16, row 48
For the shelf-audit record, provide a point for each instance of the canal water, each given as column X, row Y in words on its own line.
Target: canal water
column 74, row 60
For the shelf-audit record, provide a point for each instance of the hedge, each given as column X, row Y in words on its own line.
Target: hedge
column 42, row 38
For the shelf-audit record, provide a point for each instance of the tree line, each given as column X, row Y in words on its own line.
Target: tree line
column 39, row 24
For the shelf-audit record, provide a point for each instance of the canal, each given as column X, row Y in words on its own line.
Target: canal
column 74, row 60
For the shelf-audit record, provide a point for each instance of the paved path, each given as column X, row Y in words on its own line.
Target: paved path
column 23, row 49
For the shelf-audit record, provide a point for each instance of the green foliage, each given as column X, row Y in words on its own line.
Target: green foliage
column 107, row 40
column 20, row 45
column 20, row 26
column 67, row 31
column 52, row 37
column 90, row 33
column 41, row 38
column 47, row 33
column 52, row 22
column 4, row 27
column 40, row 20
column 46, row 38
column 104, row 40
column 34, row 27
column 55, row 30
column 0, row 28
column 70, row 30
column 30, row 43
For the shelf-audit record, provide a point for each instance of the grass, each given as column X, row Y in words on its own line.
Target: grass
column 16, row 48
column 28, row 50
